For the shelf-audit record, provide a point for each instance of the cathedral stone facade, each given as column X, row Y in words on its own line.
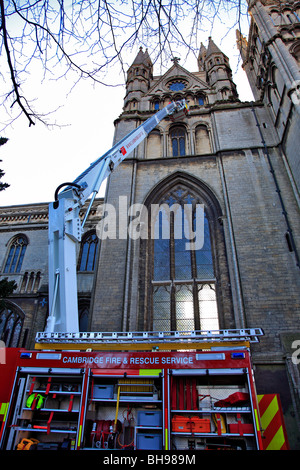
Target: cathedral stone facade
column 239, row 161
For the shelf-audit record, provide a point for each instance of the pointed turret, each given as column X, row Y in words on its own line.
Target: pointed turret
column 142, row 58
column 212, row 48
column 242, row 44
column 139, row 75
column 201, row 58
column 219, row 74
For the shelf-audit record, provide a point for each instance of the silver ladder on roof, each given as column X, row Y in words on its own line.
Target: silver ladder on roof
column 139, row 337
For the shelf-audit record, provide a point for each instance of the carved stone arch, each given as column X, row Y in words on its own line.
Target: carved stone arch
column 16, row 248
column 295, row 51
column 178, row 139
column 88, row 251
column 287, row 8
column 276, row 79
column 14, row 237
column 202, row 139
column 176, row 124
column 205, row 194
column 166, row 98
column 12, row 305
column 155, row 103
column 154, row 144
column 201, row 122
column 84, row 313
column 11, row 323
column 200, row 98
column 200, row 193
column 190, row 97
column 276, row 16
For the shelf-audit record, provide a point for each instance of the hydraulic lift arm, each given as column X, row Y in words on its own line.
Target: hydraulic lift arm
column 65, row 227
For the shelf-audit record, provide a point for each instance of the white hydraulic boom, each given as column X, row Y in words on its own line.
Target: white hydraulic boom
column 65, row 227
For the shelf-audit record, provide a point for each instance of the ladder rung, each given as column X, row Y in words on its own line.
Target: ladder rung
column 246, row 334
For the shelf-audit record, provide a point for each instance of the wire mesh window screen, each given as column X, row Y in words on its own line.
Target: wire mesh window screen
column 162, row 308
column 204, row 261
column 185, row 318
column 161, row 268
column 182, row 260
column 208, row 307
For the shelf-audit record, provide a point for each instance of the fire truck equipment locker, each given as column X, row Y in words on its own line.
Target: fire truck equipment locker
column 108, row 400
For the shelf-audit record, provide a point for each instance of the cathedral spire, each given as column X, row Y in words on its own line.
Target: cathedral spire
column 219, row 73
column 201, row 57
column 139, row 76
column 242, row 44
column 142, row 58
column 212, row 48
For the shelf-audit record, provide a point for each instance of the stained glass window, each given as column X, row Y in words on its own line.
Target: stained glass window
column 183, row 279
column 178, row 141
column 16, row 255
column 88, row 253
column 83, row 318
column 177, row 86
column 10, row 327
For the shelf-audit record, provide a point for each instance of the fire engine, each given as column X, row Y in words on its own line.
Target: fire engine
column 150, row 391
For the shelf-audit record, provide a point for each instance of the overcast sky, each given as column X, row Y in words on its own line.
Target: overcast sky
column 37, row 159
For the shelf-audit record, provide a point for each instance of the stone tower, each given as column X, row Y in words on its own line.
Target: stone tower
column 139, row 76
column 271, row 60
column 219, row 74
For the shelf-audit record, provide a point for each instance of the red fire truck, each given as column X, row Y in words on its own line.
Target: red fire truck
column 130, row 392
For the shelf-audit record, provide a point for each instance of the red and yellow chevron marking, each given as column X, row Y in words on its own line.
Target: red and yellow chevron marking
column 3, row 410
column 3, row 414
column 274, row 434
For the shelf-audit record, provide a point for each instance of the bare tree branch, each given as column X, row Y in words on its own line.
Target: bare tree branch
column 19, row 99
column 85, row 38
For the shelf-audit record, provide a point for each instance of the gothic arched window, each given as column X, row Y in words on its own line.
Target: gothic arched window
column 276, row 18
column 201, row 100
column 224, row 93
column 88, row 252
column 16, row 254
column 11, row 322
column 183, row 277
column 202, row 140
column 154, row 149
column 178, row 141
column 83, row 314
column 295, row 51
column 177, row 85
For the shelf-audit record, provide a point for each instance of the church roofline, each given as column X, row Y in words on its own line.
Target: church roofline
column 142, row 58
column 160, row 79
